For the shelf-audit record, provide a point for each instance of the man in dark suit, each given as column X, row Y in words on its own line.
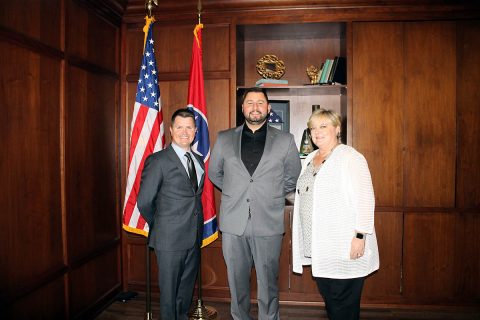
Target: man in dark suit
column 170, row 201
column 255, row 166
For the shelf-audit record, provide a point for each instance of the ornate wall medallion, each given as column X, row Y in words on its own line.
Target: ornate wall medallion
column 270, row 67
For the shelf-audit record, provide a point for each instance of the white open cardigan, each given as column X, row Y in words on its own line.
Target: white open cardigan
column 343, row 202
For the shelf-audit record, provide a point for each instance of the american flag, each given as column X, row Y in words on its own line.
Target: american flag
column 273, row 117
column 201, row 144
column 147, row 132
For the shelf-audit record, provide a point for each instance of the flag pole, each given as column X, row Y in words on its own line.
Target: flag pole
column 148, row 296
column 200, row 311
column 149, row 4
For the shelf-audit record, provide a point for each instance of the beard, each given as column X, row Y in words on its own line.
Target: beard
column 256, row 120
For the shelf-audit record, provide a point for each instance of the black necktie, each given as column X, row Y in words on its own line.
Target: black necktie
column 191, row 171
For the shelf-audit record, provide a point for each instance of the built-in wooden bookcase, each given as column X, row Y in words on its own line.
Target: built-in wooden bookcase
column 298, row 46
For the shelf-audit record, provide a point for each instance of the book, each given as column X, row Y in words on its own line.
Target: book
column 332, row 70
column 325, row 70
column 329, row 70
column 338, row 75
column 271, row 81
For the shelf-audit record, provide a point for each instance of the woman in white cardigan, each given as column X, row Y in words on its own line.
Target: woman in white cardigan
column 333, row 220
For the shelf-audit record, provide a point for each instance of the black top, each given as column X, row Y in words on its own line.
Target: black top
column 253, row 144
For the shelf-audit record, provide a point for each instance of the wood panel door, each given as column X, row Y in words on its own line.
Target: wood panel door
column 468, row 115
column 430, row 135
column 377, row 124
column 378, row 98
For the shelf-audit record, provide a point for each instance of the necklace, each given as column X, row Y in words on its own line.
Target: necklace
column 317, row 168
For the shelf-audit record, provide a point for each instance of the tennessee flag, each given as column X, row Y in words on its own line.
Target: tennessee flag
column 201, row 144
column 147, row 132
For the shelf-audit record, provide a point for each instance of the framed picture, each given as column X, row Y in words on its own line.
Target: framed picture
column 281, row 117
column 281, row 108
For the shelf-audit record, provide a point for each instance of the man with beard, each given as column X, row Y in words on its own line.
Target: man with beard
column 255, row 166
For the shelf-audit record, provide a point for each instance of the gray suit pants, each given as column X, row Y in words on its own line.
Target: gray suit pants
column 241, row 253
column 177, row 272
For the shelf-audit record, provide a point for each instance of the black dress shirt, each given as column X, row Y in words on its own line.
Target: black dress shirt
column 253, row 144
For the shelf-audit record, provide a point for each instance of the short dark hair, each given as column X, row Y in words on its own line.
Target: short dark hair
column 184, row 113
column 254, row 89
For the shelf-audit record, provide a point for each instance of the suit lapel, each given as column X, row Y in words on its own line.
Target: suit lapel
column 200, row 161
column 237, row 142
column 237, row 146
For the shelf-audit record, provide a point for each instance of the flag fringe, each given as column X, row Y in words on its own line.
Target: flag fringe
column 134, row 230
column 210, row 239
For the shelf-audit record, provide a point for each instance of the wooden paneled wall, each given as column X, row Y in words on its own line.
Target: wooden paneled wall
column 410, row 131
column 412, row 110
column 59, row 102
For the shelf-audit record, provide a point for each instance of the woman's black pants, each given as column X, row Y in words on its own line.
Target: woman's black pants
column 342, row 297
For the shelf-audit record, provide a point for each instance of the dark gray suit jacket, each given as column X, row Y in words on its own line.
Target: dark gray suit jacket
column 168, row 203
column 263, row 194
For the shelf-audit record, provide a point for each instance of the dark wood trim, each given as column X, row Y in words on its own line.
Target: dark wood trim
column 34, row 284
column 233, row 67
column 91, row 67
column 100, row 304
column 134, row 238
column 30, row 44
column 349, row 111
column 109, row 10
column 181, row 76
column 99, row 250
column 249, row 12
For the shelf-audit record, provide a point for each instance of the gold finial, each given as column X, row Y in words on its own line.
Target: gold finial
column 149, row 6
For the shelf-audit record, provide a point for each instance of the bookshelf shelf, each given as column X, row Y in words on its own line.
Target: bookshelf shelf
column 308, row 89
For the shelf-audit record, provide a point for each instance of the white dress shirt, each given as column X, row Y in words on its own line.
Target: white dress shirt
column 181, row 154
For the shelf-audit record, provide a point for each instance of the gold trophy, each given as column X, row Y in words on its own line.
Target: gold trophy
column 314, row 74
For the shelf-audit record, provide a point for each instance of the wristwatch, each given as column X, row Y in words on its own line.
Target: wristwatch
column 359, row 235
